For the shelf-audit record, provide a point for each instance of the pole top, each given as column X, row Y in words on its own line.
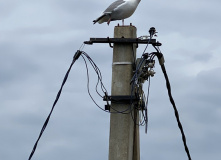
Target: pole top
column 118, row 25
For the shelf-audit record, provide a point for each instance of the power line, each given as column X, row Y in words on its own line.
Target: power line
column 76, row 56
column 161, row 61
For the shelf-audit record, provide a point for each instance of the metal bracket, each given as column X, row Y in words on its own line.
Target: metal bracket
column 109, row 42
column 123, row 41
column 121, row 99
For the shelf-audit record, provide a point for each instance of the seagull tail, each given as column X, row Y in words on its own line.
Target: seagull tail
column 99, row 19
column 94, row 21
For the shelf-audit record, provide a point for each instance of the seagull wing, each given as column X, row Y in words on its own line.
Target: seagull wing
column 107, row 13
column 114, row 6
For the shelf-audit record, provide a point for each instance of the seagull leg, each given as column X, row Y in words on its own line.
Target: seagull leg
column 108, row 22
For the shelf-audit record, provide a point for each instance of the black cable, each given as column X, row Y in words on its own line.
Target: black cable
column 143, row 110
column 161, row 61
column 76, row 56
column 98, row 72
column 88, row 83
column 143, row 56
column 175, row 111
column 152, row 31
column 146, row 111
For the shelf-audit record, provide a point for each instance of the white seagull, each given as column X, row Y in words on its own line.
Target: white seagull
column 118, row 10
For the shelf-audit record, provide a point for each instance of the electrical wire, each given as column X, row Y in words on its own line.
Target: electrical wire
column 98, row 72
column 152, row 31
column 134, row 80
column 99, row 81
column 76, row 56
column 81, row 47
column 175, row 111
column 88, row 78
column 147, row 101
column 144, row 114
column 161, row 61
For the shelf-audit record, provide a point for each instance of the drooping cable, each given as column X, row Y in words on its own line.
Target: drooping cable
column 161, row 61
column 99, row 81
column 88, row 83
column 98, row 72
column 175, row 111
column 76, row 56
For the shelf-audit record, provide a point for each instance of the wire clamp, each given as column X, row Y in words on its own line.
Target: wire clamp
column 120, row 100
column 77, row 54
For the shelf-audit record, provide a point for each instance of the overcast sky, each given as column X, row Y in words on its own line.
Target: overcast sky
column 38, row 39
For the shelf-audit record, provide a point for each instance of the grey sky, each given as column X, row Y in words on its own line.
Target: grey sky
column 37, row 42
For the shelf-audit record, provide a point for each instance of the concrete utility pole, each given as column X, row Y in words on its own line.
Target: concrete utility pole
column 124, row 134
column 124, row 142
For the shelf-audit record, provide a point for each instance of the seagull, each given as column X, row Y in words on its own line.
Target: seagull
column 118, row 10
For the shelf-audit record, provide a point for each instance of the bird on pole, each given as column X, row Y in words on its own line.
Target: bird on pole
column 118, row 10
